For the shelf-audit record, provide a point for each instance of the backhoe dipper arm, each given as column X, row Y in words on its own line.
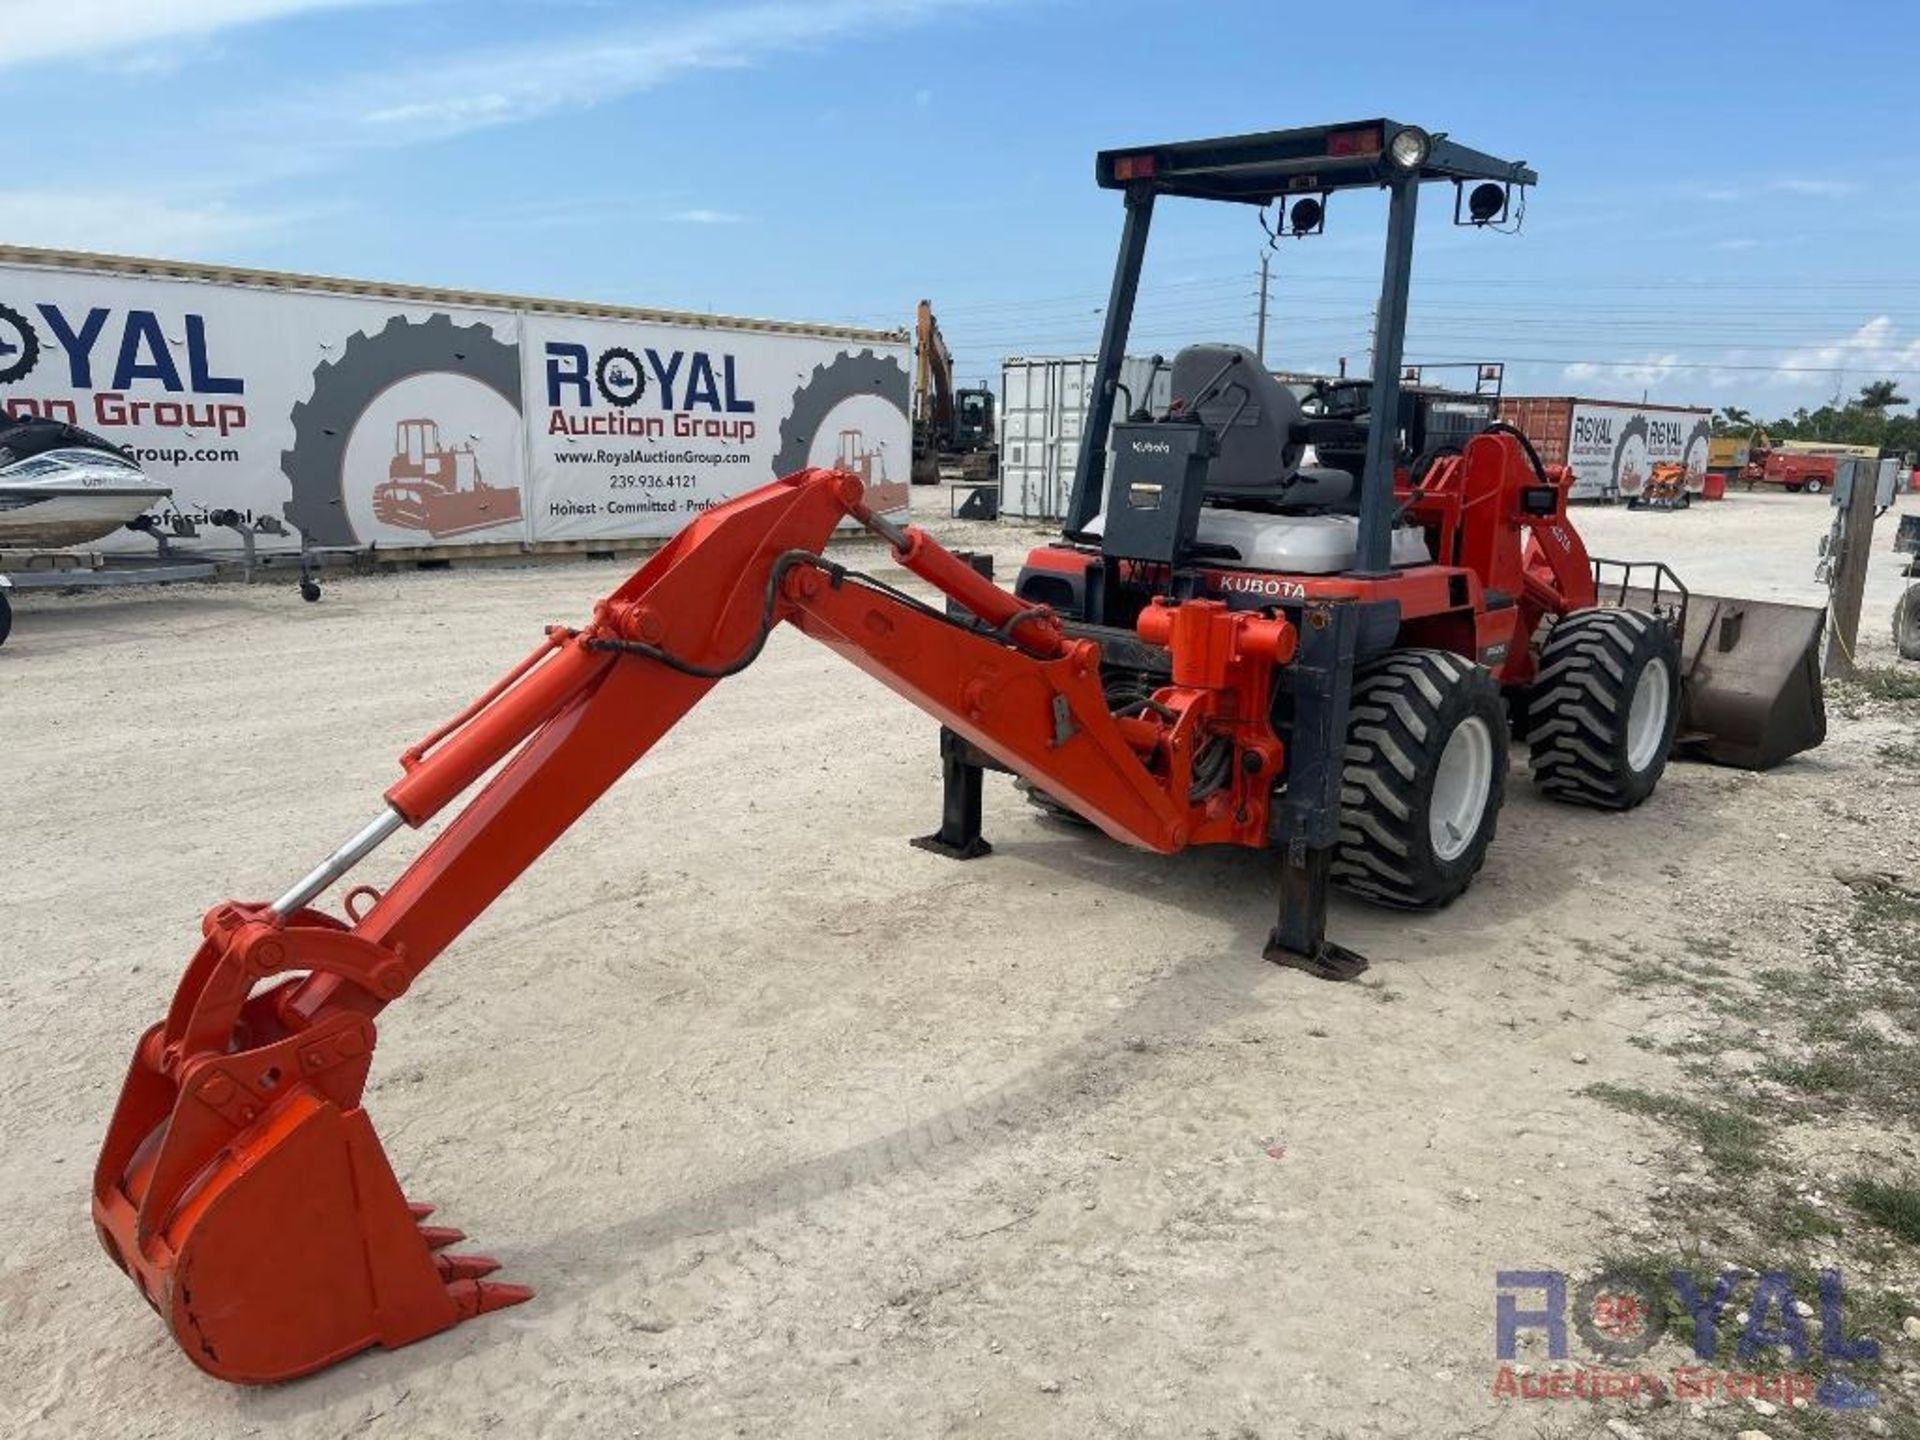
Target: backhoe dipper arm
column 241, row 1183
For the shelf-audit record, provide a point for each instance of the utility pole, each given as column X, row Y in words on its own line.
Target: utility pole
column 1854, row 542
column 1260, row 335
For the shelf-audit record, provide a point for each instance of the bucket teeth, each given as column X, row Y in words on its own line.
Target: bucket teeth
column 465, row 1267
column 463, row 1275
column 477, row 1297
column 206, row 1240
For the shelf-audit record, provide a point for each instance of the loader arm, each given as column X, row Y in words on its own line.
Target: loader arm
column 240, row 1124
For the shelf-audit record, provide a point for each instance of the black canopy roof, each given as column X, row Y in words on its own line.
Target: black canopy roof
column 1254, row 169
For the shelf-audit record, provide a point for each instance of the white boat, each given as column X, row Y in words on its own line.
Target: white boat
column 62, row 486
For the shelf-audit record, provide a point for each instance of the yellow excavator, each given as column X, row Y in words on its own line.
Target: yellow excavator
column 951, row 426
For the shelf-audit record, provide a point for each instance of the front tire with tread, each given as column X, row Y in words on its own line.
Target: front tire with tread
column 1406, row 708
column 1906, row 623
column 1589, row 743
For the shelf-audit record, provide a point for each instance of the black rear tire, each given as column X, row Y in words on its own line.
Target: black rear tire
column 1407, row 708
column 1592, row 742
column 6, row 617
column 1906, row 623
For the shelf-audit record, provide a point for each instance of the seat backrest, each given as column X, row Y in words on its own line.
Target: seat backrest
column 1252, row 413
column 1254, row 416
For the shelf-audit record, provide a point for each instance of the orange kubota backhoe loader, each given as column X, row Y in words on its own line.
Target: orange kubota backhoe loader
column 1229, row 646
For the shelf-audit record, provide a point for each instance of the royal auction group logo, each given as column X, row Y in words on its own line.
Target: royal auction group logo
column 19, row 345
column 1620, row 1317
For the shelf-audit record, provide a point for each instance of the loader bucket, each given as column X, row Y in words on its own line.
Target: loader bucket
column 243, row 1190
column 1751, row 694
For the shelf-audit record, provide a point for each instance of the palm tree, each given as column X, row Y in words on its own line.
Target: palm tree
column 1880, row 396
column 1732, row 420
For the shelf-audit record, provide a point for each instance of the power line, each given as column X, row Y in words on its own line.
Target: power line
column 1656, row 365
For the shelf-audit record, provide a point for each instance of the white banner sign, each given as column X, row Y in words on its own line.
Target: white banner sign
column 1613, row 448
column 365, row 421
column 634, row 427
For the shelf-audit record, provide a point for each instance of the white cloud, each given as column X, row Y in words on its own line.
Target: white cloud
column 1722, row 194
column 36, row 31
column 454, row 94
column 126, row 223
column 1873, row 351
column 706, row 217
column 1767, row 380
column 1828, row 189
column 1648, row 371
column 420, row 97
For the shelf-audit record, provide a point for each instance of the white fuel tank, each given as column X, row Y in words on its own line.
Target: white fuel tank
column 1292, row 544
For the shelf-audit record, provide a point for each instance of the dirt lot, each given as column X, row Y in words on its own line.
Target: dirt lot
column 800, row 1131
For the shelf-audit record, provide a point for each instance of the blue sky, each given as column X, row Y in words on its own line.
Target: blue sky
column 1726, row 213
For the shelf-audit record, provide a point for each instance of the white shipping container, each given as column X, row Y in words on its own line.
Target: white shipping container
column 368, row 414
column 1043, row 412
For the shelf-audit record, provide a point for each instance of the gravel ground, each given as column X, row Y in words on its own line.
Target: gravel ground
column 799, row 1130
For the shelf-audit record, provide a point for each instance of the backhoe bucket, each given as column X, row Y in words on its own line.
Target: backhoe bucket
column 242, row 1188
column 1752, row 696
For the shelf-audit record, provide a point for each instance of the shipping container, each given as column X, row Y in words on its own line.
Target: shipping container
column 1612, row 445
column 1043, row 410
column 360, row 414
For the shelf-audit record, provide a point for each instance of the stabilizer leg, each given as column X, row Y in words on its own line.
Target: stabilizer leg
column 1300, row 939
column 1308, row 817
column 958, row 837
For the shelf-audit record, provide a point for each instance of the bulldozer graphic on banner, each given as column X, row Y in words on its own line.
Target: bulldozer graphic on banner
column 438, row 488
column 857, row 457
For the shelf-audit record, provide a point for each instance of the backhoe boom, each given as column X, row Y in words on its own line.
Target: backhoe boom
column 241, row 1184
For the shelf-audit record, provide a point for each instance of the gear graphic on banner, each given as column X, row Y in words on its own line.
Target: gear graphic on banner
column 435, row 484
column 831, row 416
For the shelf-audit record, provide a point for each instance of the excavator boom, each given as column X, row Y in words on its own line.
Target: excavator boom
column 934, row 394
column 241, row 1184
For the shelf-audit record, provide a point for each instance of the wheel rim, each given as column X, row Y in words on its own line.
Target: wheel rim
column 1647, row 715
column 1461, row 785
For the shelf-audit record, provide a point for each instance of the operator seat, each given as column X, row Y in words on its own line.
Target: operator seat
column 1257, row 419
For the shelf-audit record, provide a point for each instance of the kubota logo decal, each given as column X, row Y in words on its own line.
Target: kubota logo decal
column 1261, row 585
